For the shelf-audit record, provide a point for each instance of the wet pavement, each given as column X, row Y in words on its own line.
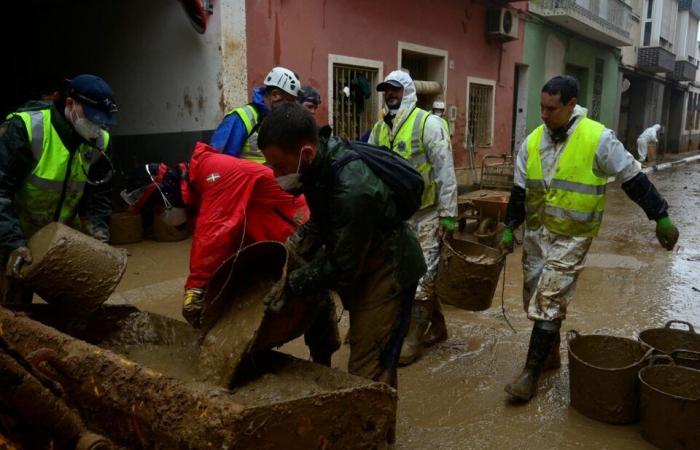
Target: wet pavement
column 453, row 397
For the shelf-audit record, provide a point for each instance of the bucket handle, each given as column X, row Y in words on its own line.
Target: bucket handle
column 655, row 359
column 685, row 355
column 571, row 335
column 682, row 322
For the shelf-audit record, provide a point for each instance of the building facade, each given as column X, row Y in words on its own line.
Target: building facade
column 578, row 38
column 659, row 72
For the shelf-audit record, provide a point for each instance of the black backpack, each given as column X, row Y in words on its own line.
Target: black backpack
column 397, row 174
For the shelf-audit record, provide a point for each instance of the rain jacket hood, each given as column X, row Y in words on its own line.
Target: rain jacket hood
column 259, row 99
column 409, row 100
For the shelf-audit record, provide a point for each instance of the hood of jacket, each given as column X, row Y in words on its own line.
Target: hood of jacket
column 408, row 102
column 259, row 99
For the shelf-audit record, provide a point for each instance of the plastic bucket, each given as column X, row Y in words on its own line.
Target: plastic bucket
column 683, row 345
column 603, row 379
column 670, row 406
column 468, row 274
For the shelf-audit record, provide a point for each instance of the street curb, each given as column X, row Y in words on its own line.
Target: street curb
column 665, row 165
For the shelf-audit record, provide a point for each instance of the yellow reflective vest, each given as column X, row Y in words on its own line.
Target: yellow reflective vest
column 250, row 117
column 408, row 142
column 41, row 200
column 573, row 202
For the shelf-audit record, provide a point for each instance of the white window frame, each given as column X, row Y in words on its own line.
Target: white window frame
column 486, row 82
column 352, row 61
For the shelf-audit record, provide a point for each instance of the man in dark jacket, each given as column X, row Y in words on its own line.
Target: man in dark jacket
column 355, row 242
column 53, row 169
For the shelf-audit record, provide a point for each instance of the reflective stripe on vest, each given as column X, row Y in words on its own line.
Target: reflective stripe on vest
column 250, row 117
column 408, row 142
column 38, row 198
column 574, row 201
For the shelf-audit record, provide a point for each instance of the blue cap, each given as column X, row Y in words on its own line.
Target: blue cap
column 96, row 98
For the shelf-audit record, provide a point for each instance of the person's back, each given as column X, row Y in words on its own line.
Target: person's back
column 355, row 241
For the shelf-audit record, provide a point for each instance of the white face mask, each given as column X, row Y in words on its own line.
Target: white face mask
column 291, row 182
column 84, row 127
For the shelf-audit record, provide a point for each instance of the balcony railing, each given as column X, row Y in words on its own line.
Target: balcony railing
column 656, row 60
column 685, row 71
column 611, row 18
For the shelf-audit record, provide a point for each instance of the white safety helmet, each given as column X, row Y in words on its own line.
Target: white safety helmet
column 438, row 105
column 284, row 79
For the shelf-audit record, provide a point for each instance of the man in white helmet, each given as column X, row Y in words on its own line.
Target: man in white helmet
column 421, row 138
column 439, row 110
column 237, row 133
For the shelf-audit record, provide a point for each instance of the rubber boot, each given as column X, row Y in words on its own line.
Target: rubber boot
column 541, row 343
column 412, row 348
column 553, row 361
column 438, row 330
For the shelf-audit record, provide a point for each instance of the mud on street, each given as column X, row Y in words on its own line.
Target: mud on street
column 453, row 397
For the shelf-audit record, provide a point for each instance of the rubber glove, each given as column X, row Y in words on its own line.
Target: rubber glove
column 507, row 243
column 19, row 257
column 666, row 233
column 192, row 306
column 448, row 223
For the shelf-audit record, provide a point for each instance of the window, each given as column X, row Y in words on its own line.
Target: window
column 597, row 89
column 647, row 34
column 354, row 99
column 650, row 8
column 480, row 118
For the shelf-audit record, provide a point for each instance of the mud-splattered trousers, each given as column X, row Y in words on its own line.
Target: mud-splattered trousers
column 426, row 225
column 551, row 265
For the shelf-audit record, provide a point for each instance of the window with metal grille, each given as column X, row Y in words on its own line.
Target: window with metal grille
column 354, row 108
column 480, row 114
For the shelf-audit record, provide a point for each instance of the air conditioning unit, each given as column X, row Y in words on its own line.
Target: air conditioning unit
column 502, row 24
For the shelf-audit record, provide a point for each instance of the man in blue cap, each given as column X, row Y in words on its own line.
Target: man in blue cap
column 53, row 168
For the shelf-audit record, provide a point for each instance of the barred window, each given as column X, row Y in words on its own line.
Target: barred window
column 480, row 122
column 354, row 100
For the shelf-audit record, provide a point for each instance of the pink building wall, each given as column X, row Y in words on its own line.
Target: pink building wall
column 301, row 34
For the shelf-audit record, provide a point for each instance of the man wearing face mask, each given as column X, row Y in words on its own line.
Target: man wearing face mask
column 422, row 139
column 53, row 168
column 237, row 135
column 355, row 242
column 561, row 174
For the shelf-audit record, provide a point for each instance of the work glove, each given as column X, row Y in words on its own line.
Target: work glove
column 192, row 306
column 18, row 258
column 448, row 223
column 277, row 297
column 507, row 243
column 666, row 233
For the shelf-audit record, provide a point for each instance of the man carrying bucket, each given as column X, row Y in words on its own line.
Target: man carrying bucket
column 355, row 242
column 561, row 174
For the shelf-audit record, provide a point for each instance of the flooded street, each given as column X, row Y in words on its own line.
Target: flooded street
column 453, row 397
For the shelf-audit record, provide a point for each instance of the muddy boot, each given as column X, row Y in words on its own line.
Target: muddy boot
column 412, row 348
column 438, row 330
column 553, row 361
column 541, row 341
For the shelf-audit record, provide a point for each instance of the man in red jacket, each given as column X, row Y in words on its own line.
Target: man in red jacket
column 232, row 202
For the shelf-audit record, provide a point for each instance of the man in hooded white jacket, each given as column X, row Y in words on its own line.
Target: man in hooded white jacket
column 420, row 137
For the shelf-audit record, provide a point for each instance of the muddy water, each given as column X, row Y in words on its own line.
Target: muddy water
column 453, row 398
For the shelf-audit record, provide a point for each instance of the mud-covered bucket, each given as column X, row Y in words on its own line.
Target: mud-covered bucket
column 603, row 376
column 670, row 406
column 667, row 340
column 72, row 270
column 236, row 323
column 468, row 274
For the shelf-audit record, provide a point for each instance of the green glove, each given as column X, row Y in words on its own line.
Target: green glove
column 507, row 244
column 448, row 223
column 666, row 233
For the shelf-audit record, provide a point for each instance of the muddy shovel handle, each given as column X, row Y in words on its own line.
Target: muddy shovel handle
column 682, row 322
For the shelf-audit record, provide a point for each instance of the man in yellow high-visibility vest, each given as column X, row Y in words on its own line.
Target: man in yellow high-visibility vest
column 561, row 173
column 422, row 139
column 53, row 168
column 237, row 134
